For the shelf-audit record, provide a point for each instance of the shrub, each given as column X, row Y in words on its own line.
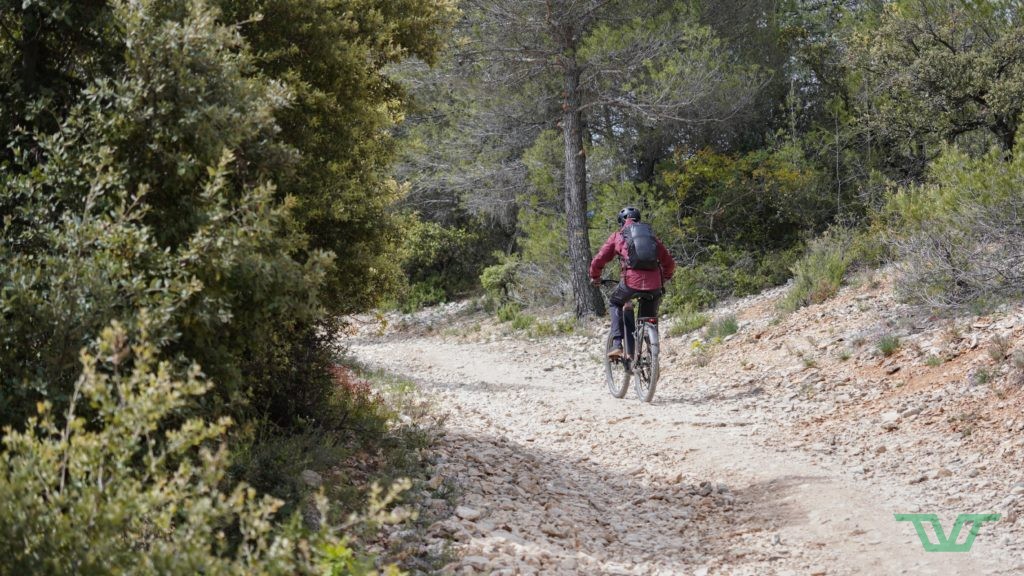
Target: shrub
column 688, row 320
column 960, row 237
column 999, row 348
column 120, row 488
column 556, row 328
column 522, row 321
column 819, row 273
column 421, row 295
column 500, row 281
column 727, row 273
column 439, row 262
column 509, row 312
column 722, row 327
column 981, row 376
column 888, row 344
column 139, row 202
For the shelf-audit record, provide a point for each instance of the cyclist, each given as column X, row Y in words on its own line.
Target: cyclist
column 646, row 266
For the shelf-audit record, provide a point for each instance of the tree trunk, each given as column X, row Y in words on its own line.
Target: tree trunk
column 587, row 298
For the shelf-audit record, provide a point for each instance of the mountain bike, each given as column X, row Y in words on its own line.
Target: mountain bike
column 640, row 347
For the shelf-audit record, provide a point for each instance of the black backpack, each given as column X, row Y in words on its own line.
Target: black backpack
column 642, row 247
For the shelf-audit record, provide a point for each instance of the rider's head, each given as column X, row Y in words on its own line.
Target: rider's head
column 628, row 213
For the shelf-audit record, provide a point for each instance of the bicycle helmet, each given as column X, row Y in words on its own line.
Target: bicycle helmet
column 628, row 213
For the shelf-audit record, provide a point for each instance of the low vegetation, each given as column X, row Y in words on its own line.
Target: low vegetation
column 721, row 328
column 687, row 321
column 888, row 344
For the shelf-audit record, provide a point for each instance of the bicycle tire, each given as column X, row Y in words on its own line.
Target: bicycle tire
column 615, row 373
column 646, row 369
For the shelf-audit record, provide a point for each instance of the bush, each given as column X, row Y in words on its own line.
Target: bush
column 119, row 488
column 500, row 281
column 722, row 327
column 960, row 237
column 509, row 312
column 439, row 262
column 757, row 201
column 820, row 272
column 888, row 345
column 726, row 273
column 556, row 328
column 523, row 322
column 139, row 202
column 686, row 321
column 421, row 295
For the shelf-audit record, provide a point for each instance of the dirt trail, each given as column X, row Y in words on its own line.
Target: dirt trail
column 556, row 476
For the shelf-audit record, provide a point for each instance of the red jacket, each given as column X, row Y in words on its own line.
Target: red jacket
column 635, row 279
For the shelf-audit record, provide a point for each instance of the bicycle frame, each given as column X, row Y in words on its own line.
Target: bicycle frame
column 633, row 327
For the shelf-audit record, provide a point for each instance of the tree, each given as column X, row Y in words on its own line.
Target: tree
column 333, row 57
column 942, row 69
column 603, row 59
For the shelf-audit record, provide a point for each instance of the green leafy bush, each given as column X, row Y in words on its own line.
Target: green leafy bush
column 726, row 273
column 688, row 320
column 721, row 328
column 523, row 321
column 508, row 312
column 959, row 237
column 544, row 329
column 438, row 262
column 127, row 484
column 140, row 202
column 888, row 344
column 763, row 199
column 500, row 281
column 820, row 272
column 420, row 295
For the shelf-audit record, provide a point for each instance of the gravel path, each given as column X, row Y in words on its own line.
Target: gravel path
column 555, row 476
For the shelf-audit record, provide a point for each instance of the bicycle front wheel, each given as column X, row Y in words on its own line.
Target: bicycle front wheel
column 646, row 369
column 615, row 372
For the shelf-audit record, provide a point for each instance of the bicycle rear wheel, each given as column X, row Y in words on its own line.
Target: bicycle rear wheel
column 615, row 372
column 646, row 369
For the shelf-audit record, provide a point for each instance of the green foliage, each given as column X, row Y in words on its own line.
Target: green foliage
column 948, row 69
column 509, row 311
column 422, row 294
column 888, row 344
column 332, row 57
column 40, row 78
column 959, row 235
column 98, row 230
column 438, row 262
column 522, row 321
column 501, row 281
column 763, row 199
column 721, row 328
column 982, row 376
column 820, row 272
column 543, row 329
column 544, row 274
column 149, row 491
column 688, row 320
column 726, row 273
